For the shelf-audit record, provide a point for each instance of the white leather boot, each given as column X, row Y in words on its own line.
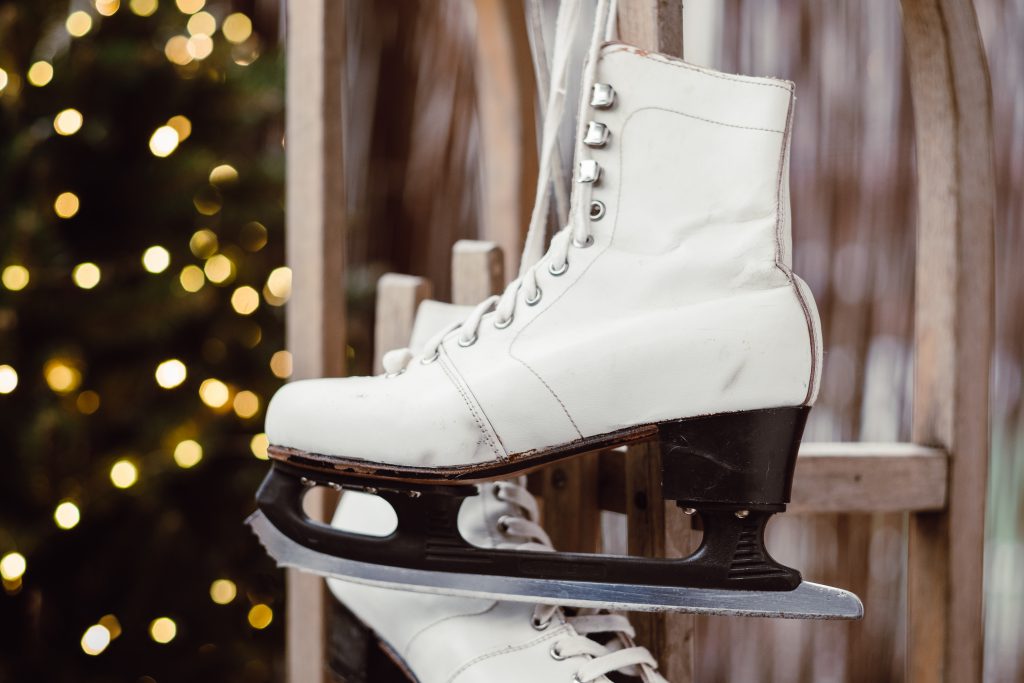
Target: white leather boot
column 666, row 308
column 670, row 295
column 444, row 639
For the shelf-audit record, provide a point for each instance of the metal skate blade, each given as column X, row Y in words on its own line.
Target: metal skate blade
column 807, row 601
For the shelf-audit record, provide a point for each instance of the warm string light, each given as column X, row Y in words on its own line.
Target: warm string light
column 61, row 375
column 163, row 630
column 223, row 591
column 260, row 616
column 66, row 204
column 170, row 373
column 281, row 364
column 107, row 7
column 188, row 453
column 95, row 639
column 214, row 393
column 67, row 515
column 156, row 259
column 278, row 287
column 164, row 141
column 4, row 80
column 237, row 28
column 13, row 566
column 143, row 8
column 245, row 300
column 86, row 275
column 190, row 6
column 201, row 23
column 223, row 174
column 192, row 278
column 8, row 379
column 124, row 473
column 258, row 445
column 246, row 404
column 78, row 24
column 219, row 269
column 40, row 74
column 15, row 277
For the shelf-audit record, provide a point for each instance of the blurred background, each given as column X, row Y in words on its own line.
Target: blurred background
column 141, row 306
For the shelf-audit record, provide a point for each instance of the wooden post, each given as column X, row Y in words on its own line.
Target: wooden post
column 954, row 331
column 315, row 253
column 478, row 271
column 398, row 297
column 656, row 529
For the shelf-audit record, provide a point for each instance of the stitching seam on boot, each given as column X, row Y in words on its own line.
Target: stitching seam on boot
column 477, row 412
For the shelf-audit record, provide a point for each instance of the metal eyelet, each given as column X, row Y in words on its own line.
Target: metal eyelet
column 502, row 324
column 496, row 490
column 430, row 359
column 597, row 134
column 576, row 678
column 556, row 653
column 468, row 342
column 503, row 524
column 539, row 625
column 583, row 245
column 602, row 96
column 596, row 210
column 535, row 300
column 589, row 171
column 558, row 271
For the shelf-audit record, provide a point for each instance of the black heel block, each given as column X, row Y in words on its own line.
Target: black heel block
column 736, row 470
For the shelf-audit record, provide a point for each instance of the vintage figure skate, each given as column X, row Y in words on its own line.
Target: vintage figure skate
column 666, row 309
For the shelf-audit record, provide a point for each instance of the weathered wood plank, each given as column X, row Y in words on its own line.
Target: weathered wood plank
column 505, row 98
column 398, row 297
column 315, row 325
column 656, row 25
column 478, row 271
column 951, row 95
column 653, row 25
column 834, row 477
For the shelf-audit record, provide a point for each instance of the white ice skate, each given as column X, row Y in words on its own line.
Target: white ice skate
column 666, row 309
column 394, row 635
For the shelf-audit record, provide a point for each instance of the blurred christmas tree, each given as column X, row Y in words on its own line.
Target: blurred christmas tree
column 141, row 190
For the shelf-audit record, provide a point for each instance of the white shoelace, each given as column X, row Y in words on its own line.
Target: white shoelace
column 620, row 652
column 577, row 231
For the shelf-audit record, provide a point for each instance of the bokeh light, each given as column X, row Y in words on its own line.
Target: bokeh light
column 203, row 243
column 40, row 74
column 188, row 453
column 68, row 122
column 86, row 275
column 67, row 515
column 219, row 269
column 156, row 259
column 182, row 125
column 170, row 373
column 279, row 286
column 96, row 639
column 111, row 623
column 237, row 27
column 223, row 591
column 258, row 445
column 88, row 402
column 281, row 364
column 223, row 174
column 176, row 50
column 163, row 630
column 214, row 393
column 246, row 404
column 190, row 6
column 13, row 566
column 245, row 300
column 61, row 375
column 143, row 8
column 163, row 141
column 201, row 23
column 260, row 616
column 15, row 277
column 107, row 7
column 124, row 473
column 8, row 379
column 199, row 46
column 78, row 23
column 66, row 204
column 192, row 278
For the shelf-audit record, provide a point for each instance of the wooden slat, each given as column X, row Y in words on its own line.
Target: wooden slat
column 478, row 271
column 656, row 25
column 950, row 90
column 834, row 477
column 505, row 103
column 398, row 297
column 315, row 252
